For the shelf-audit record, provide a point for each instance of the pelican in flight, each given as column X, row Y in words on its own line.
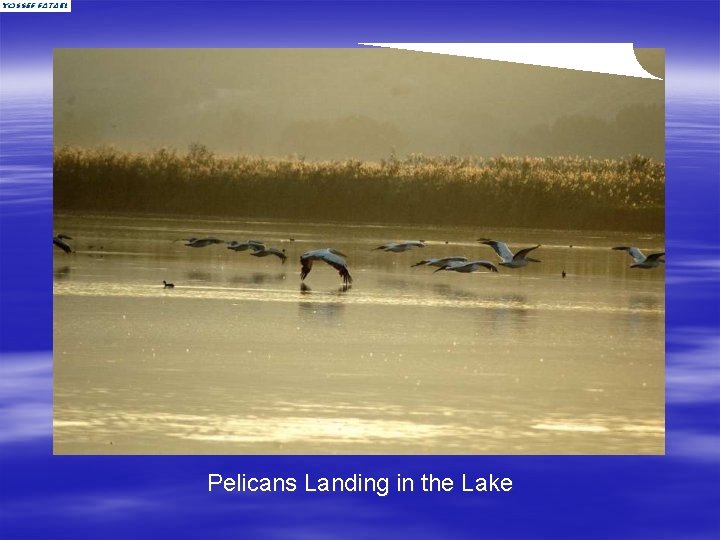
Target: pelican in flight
column 439, row 262
column 59, row 241
column 640, row 260
column 202, row 242
column 517, row 260
column 467, row 267
column 398, row 247
column 264, row 252
column 331, row 256
column 255, row 245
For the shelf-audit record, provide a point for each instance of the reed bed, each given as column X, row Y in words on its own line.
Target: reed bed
column 560, row 193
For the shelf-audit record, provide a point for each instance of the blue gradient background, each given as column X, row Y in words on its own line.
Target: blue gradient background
column 673, row 496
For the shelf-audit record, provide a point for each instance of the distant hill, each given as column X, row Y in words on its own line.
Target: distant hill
column 350, row 103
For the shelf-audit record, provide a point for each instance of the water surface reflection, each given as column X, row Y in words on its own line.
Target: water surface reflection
column 242, row 357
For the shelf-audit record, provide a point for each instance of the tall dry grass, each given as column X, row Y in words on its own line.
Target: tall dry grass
column 565, row 193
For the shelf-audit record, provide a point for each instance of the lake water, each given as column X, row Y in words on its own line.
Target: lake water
column 239, row 359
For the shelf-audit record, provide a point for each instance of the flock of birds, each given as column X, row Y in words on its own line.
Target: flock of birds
column 256, row 248
column 338, row 261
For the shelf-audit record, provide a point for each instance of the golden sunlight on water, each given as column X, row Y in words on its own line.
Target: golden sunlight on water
column 376, row 298
column 237, row 358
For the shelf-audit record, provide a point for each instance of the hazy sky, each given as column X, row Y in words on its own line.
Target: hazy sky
column 350, row 103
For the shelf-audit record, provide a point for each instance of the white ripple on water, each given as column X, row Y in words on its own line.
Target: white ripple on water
column 280, row 429
column 352, row 297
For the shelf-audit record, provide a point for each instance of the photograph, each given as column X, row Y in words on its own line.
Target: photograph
column 355, row 251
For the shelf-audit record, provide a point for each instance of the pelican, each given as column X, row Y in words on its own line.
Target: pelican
column 202, row 242
column 517, row 260
column 467, row 267
column 264, row 252
column 640, row 260
column 331, row 256
column 168, row 285
column 59, row 241
column 398, row 247
column 439, row 262
column 255, row 245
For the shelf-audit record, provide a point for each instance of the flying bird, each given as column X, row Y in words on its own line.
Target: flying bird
column 640, row 260
column 467, row 267
column 202, row 242
column 517, row 260
column 59, row 241
column 331, row 256
column 254, row 245
column 397, row 247
column 439, row 262
column 264, row 252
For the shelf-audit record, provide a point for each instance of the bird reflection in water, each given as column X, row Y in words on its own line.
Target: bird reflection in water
column 96, row 252
column 257, row 278
column 62, row 273
column 508, row 309
column 448, row 291
column 304, row 289
column 645, row 302
column 320, row 311
column 643, row 309
column 398, row 284
column 199, row 276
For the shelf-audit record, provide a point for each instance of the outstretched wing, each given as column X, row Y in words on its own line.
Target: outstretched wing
column 343, row 271
column 208, row 240
column 655, row 256
column 331, row 256
column 255, row 245
column 634, row 252
column 414, row 243
column 336, row 260
column 441, row 262
column 451, row 265
column 523, row 252
column 453, row 259
column 202, row 242
column 270, row 251
column 486, row 264
column 62, row 244
column 500, row 248
column 305, row 266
